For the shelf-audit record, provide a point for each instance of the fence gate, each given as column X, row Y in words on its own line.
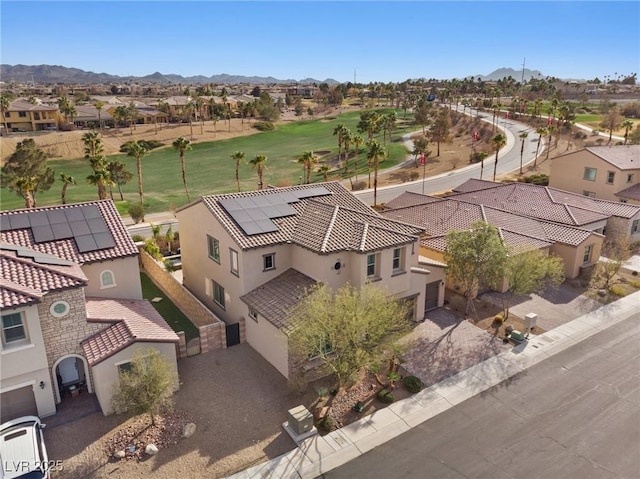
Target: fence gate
column 233, row 334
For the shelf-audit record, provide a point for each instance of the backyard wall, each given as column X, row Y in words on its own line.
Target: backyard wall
column 212, row 329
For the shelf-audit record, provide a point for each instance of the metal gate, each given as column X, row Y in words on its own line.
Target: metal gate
column 233, row 334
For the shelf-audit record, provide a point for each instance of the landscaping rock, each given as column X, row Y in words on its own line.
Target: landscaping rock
column 151, row 450
column 120, row 454
column 602, row 292
column 189, row 429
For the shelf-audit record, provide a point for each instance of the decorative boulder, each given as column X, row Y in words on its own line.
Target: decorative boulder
column 119, row 454
column 151, row 449
column 189, row 429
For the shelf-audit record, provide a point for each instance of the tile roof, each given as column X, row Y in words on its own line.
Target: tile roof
column 67, row 248
column 338, row 221
column 274, row 299
column 23, row 105
column 409, row 198
column 631, row 193
column 133, row 320
column 625, row 157
column 28, row 276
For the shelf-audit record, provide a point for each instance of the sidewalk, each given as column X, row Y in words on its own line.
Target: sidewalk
column 320, row 454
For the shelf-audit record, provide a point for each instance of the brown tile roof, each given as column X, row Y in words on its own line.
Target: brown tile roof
column 134, row 320
column 409, row 198
column 67, row 248
column 625, row 157
column 27, row 275
column 631, row 193
column 23, row 105
column 335, row 222
column 274, row 299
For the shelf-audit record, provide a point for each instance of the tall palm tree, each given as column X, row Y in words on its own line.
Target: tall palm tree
column 357, row 141
column 199, row 101
column 482, row 156
column 66, row 181
column 541, row 132
column 308, row 159
column 189, row 109
column 238, row 157
column 523, row 136
column 324, row 169
column 550, row 130
column 121, row 113
column 259, row 163
column 347, row 136
column 376, row 153
column 182, row 144
column 338, row 131
column 5, row 104
column 101, row 178
column 99, row 106
column 94, row 152
column 132, row 115
column 498, row 141
column 138, row 151
column 627, row 124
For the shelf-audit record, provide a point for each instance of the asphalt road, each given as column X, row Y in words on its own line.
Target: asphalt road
column 575, row 415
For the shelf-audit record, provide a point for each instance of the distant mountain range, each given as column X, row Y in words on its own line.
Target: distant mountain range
column 501, row 73
column 59, row 74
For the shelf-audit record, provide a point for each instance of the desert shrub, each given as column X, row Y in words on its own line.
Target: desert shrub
column 617, row 290
column 152, row 249
column 634, row 283
column 264, row 126
column 540, row 179
column 137, row 238
column 148, row 144
column 136, row 211
column 498, row 319
column 385, row 396
column 477, row 156
column 359, row 185
column 326, row 423
column 413, row 384
column 580, row 135
column 414, row 175
column 169, row 266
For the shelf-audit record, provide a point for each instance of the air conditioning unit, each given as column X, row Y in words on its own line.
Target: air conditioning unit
column 300, row 420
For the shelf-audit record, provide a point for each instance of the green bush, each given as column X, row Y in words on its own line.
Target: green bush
column 413, row 384
column 326, row 423
column 152, row 249
column 634, row 283
column 264, row 126
column 359, row 185
column 137, row 238
column 136, row 211
column 385, row 396
column 148, row 144
column 617, row 291
column 498, row 319
column 540, row 179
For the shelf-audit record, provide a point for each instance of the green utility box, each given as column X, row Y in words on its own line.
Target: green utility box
column 517, row 336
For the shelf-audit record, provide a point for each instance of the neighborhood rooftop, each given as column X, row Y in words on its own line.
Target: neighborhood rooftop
column 625, row 157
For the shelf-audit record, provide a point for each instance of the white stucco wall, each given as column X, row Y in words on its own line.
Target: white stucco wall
column 126, row 273
column 269, row 341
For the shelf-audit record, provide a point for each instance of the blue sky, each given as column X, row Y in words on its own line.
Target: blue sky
column 381, row 41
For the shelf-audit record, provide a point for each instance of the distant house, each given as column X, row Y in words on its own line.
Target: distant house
column 24, row 116
column 605, row 172
column 251, row 256
column 72, row 307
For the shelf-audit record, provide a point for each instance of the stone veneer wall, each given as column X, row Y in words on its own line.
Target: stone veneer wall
column 618, row 229
column 62, row 336
column 212, row 329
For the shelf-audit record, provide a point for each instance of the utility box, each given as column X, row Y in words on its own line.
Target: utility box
column 517, row 335
column 530, row 320
column 300, row 420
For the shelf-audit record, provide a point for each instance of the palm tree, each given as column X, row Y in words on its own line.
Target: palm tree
column 308, row 159
column 523, row 136
column 338, row 131
column 164, row 107
column 132, row 115
column 498, row 142
column 357, row 141
column 99, row 106
column 542, row 131
column 100, row 178
column 238, row 157
column 550, row 130
column 121, row 113
column 324, row 169
column 5, row 104
column 627, row 124
column 119, row 175
column 189, row 109
column 259, row 163
column 182, row 144
column 482, row 156
column 94, row 152
column 66, row 181
column 346, row 140
column 376, row 153
column 138, row 151
column 199, row 104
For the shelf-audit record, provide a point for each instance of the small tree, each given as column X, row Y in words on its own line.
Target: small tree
column 147, row 387
column 474, row 256
column 26, row 172
column 347, row 330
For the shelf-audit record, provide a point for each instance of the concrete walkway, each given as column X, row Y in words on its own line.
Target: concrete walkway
column 320, row 454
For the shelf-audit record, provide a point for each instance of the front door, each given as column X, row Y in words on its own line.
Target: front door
column 68, row 371
column 431, row 296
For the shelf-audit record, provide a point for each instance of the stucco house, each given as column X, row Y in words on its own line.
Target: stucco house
column 72, row 307
column 604, row 172
column 24, row 116
column 249, row 256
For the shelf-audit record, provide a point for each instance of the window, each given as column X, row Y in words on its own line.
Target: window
column 587, row 254
column 59, row 309
column 36, row 116
column 590, row 174
column 269, row 261
column 214, row 249
column 13, row 328
column 124, row 367
column 323, row 349
column 253, row 314
column 590, row 194
column 218, row 294
column 630, row 178
column 234, row 262
column 107, row 279
column 372, row 266
column 22, row 114
column 7, row 114
column 611, row 175
column 398, row 260
column 635, row 226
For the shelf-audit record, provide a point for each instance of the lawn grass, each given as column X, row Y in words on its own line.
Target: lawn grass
column 210, row 169
column 169, row 311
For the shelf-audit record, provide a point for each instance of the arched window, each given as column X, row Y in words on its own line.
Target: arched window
column 107, row 279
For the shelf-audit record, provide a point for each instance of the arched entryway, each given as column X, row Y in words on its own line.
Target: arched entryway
column 70, row 372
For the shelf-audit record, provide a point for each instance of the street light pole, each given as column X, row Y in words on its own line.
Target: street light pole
column 423, row 162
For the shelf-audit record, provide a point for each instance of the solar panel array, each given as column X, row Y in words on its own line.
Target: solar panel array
column 36, row 256
column 254, row 214
column 85, row 224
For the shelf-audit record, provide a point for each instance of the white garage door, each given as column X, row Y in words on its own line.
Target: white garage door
column 16, row 403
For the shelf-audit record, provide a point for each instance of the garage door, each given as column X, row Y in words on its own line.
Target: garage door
column 16, row 403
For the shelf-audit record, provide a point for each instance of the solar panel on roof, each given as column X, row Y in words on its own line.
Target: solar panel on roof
column 50, row 259
column 240, row 216
column 250, row 228
column 56, row 216
column 285, row 210
column 79, row 228
column 230, row 204
column 19, row 221
column 61, row 231
column 270, row 211
column 261, row 201
column 91, row 211
column 74, row 214
column 311, row 192
column 104, row 240
column 38, row 218
column 288, row 197
column 42, row 233
column 267, row 226
column 86, row 243
column 97, row 225
column 255, row 213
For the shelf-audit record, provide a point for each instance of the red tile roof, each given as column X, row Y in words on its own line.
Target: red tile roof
column 631, row 193
column 625, row 157
column 67, row 248
column 27, row 275
column 133, row 321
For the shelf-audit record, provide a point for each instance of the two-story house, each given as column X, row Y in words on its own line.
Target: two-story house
column 604, row 172
column 24, row 116
column 250, row 256
column 72, row 307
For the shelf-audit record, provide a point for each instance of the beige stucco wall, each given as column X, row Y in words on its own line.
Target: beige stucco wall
column 572, row 256
column 126, row 274
column 269, row 341
column 105, row 374
column 567, row 173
